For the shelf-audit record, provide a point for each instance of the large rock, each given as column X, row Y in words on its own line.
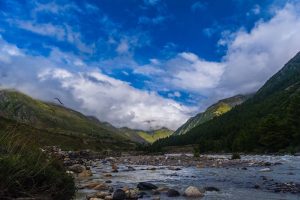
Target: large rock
column 193, row 192
column 101, row 186
column 85, row 173
column 132, row 194
column 102, row 194
column 173, row 193
column 119, row 194
column 77, row 168
column 211, row 189
column 146, row 186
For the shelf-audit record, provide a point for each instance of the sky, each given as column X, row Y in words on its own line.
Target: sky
column 144, row 64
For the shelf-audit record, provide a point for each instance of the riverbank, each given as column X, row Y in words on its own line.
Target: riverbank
column 181, row 175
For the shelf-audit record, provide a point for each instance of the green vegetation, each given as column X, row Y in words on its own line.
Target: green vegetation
column 267, row 122
column 155, row 135
column 235, row 156
column 216, row 110
column 26, row 172
column 51, row 124
column 146, row 137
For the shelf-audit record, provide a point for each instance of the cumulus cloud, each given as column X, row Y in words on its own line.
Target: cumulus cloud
column 254, row 56
column 88, row 90
column 185, row 71
column 251, row 58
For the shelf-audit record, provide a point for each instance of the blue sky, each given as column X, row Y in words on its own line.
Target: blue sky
column 144, row 63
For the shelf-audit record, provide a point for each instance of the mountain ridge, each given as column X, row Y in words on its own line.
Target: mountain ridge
column 267, row 122
column 215, row 110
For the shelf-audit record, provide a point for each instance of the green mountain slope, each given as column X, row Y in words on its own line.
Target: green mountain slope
column 58, row 121
column 267, row 122
column 145, row 137
column 215, row 110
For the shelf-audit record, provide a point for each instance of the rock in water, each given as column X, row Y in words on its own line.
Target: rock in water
column 173, row 193
column 119, row 194
column 192, row 192
column 85, row 173
column 146, row 186
column 132, row 194
column 77, row 168
column 211, row 189
column 265, row 170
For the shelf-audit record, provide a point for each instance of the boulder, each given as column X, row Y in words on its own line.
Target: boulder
column 119, row 194
column 192, row 191
column 162, row 189
column 129, row 168
column 101, row 186
column 85, row 173
column 173, row 193
column 107, row 175
column 211, row 189
column 146, row 186
column 108, row 197
column 102, row 194
column 132, row 194
column 90, row 185
column 77, row 168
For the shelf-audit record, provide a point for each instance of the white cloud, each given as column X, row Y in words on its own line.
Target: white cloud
column 42, row 29
column 123, row 47
column 89, row 90
column 252, row 57
column 185, row 71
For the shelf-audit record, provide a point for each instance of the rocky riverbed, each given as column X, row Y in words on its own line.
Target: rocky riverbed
column 182, row 176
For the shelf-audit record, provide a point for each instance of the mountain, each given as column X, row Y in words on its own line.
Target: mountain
column 215, row 110
column 146, row 137
column 57, row 122
column 267, row 122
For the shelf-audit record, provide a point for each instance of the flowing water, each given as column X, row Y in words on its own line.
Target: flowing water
column 234, row 183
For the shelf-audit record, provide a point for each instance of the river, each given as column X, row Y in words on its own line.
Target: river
column 234, row 183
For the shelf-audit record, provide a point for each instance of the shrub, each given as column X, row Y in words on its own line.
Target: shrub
column 27, row 172
column 235, row 156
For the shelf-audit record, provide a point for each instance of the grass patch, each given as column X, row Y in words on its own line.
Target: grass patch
column 25, row 171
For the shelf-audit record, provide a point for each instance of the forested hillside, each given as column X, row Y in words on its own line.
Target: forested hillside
column 267, row 122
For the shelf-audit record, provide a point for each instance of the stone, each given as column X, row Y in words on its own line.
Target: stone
column 173, row 193
column 129, row 168
column 102, row 194
column 95, row 198
column 108, row 181
column 162, row 189
column 101, row 186
column 77, row 168
column 132, row 193
column 107, row 175
column 156, row 198
column 90, row 185
column 146, row 186
column 211, row 189
column 85, row 173
column 119, row 194
column 142, row 194
column 108, row 197
column 265, row 170
column 192, row 191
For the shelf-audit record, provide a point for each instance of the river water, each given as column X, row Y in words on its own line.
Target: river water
column 234, row 183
